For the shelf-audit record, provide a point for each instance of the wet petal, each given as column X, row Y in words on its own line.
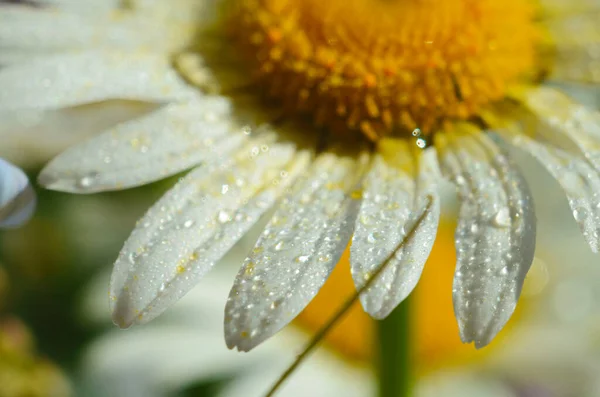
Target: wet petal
column 579, row 180
column 495, row 236
column 576, row 45
column 32, row 137
column 33, row 32
column 391, row 201
column 566, row 124
column 92, row 7
column 571, row 154
column 17, row 198
column 79, row 78
column 183, row 235
column 167, row 141
column 295, row 253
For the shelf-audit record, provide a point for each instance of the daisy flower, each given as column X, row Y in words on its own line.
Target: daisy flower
column 17, row 198
column 343, row 117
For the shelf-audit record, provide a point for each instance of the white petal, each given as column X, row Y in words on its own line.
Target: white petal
column 568, row 125
column 295, row 253
column 178, row 10
column 92, row 7
column 159, row 361
column 495, row 236
column 17, row 198
column 32, row 137
column 578, row 179
column 576, row 45
column 179, row 240
column 585, row 94
column 391, row 200
column 33, row 32
column 573, row 154
column 169, row 140
column 323, row 375
column 79, row 78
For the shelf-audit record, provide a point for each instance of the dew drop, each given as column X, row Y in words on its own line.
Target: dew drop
column 131, row 257
column 373, row 237
column 87, row 180
column 189, row 223
column 580, row 214
column 502, row 218
column 302, row 258
column 223, row 216
column 474, row 228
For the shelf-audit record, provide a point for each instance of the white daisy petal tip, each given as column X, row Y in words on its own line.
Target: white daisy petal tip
column 169, row 140
column 123, row 316
column 52, row 179
column 17, row 198
column 495, row 236
column 391, row 200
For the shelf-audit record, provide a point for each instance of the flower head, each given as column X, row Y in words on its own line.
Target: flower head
column 370, row 106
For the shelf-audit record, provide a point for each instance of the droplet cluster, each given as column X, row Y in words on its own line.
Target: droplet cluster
column 495, row 236
column 390, row 203
column 186, row 232
column 295, row 253
column 165, row 142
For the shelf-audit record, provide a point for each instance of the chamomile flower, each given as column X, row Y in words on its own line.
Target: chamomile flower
column 343, row 117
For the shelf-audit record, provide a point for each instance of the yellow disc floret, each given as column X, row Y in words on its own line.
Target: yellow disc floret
column 385, row 67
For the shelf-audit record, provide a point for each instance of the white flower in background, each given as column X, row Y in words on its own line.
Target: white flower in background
column 436, row 83
column 185, row 347
column 17, row 198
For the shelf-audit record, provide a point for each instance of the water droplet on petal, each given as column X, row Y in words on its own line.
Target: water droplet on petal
column 87, row 180
column 580, row 214
column 502, row 218
column 223, row 216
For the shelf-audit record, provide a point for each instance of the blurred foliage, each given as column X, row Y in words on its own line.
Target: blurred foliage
column 45, row 268
column 23, row 373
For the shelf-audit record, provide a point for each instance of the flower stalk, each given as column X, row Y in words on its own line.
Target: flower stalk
column 394, row 353
column 318, row 337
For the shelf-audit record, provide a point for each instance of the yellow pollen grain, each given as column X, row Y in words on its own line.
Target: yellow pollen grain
column 386, row 67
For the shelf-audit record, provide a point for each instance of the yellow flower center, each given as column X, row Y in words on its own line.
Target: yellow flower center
column 385, row 67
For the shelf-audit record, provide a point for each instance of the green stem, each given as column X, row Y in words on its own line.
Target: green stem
column 394, row 358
